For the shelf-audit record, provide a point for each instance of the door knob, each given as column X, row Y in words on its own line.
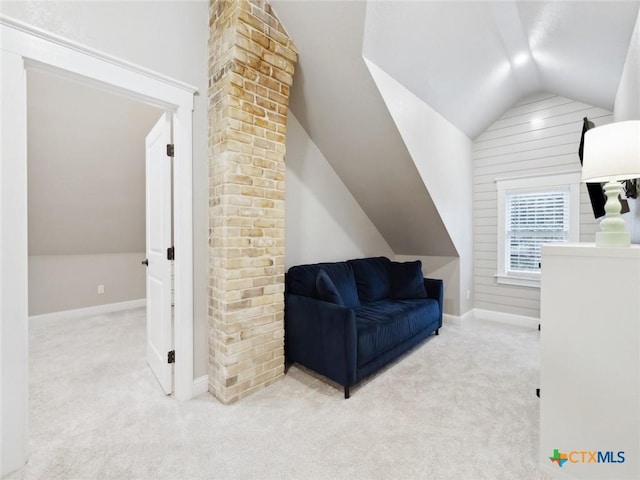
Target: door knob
column 145, row 262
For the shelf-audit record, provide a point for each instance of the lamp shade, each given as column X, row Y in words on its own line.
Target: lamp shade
column 612, row 152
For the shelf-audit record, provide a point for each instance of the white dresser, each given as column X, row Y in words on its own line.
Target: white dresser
column 590, row 362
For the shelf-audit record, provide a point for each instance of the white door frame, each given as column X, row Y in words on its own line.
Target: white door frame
column 23, row 46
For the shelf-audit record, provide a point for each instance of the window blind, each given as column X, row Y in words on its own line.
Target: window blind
column 534, row 219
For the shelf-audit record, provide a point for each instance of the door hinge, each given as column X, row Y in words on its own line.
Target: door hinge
column 170, row 150
column 171, row 253
column 171, row 356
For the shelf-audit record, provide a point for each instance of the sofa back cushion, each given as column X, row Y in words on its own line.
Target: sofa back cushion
column 372, row 278
column 301, row 280
column 406, row 280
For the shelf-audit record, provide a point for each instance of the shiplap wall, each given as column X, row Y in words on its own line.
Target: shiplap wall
column 540, row 134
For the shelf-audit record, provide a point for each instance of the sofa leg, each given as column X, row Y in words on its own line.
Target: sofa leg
column 347, row 393
column 437, row 331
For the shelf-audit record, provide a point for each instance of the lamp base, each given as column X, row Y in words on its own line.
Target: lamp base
column 612, row 232
column 613, row 239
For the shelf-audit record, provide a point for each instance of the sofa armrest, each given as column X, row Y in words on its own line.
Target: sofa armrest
column 435, row 290
column 321, row 336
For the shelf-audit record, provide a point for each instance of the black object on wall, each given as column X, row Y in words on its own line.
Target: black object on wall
column 596, row 194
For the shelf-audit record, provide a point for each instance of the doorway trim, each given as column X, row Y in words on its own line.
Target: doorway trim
column 22, row 47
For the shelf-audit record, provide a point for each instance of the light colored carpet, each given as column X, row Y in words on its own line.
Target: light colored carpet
column 460, row 406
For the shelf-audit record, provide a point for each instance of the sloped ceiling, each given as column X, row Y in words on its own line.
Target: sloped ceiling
column 86, row 168
column 469, row 61
column 337, row 102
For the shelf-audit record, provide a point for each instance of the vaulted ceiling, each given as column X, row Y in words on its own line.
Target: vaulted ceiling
column 469, row 61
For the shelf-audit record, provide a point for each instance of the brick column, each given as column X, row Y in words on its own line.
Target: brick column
column 251, row 65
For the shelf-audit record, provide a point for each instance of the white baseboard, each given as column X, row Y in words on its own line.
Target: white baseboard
column 508, row 318
column 457, row 319
column 200, row 386
column 89, row 311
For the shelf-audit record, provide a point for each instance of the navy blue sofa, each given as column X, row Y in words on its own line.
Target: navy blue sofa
column 346, row 320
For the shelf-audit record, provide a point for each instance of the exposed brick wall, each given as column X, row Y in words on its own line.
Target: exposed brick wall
column 251, row 65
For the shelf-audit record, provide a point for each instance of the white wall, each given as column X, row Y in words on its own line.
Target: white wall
column 323, row 220
column 442, row 155
column 67, row 282
column 627, row 107
column 540, row 134
column 170, row 38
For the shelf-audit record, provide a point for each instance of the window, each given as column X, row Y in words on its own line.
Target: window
column 533, row 211
column 533, row 219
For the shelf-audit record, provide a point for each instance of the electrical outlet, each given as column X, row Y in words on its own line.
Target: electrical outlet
column 100, row 289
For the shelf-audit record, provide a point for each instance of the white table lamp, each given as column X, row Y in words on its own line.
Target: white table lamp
column 611, row 154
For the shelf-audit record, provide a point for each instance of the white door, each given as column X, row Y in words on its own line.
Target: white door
column 159, row 239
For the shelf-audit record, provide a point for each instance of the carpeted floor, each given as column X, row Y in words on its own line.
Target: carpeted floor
column 461, row 406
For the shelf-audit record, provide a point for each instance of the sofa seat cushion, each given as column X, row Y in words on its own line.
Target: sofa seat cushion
column 383, row 325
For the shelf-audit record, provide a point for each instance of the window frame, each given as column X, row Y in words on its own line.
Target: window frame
column 563, row 181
